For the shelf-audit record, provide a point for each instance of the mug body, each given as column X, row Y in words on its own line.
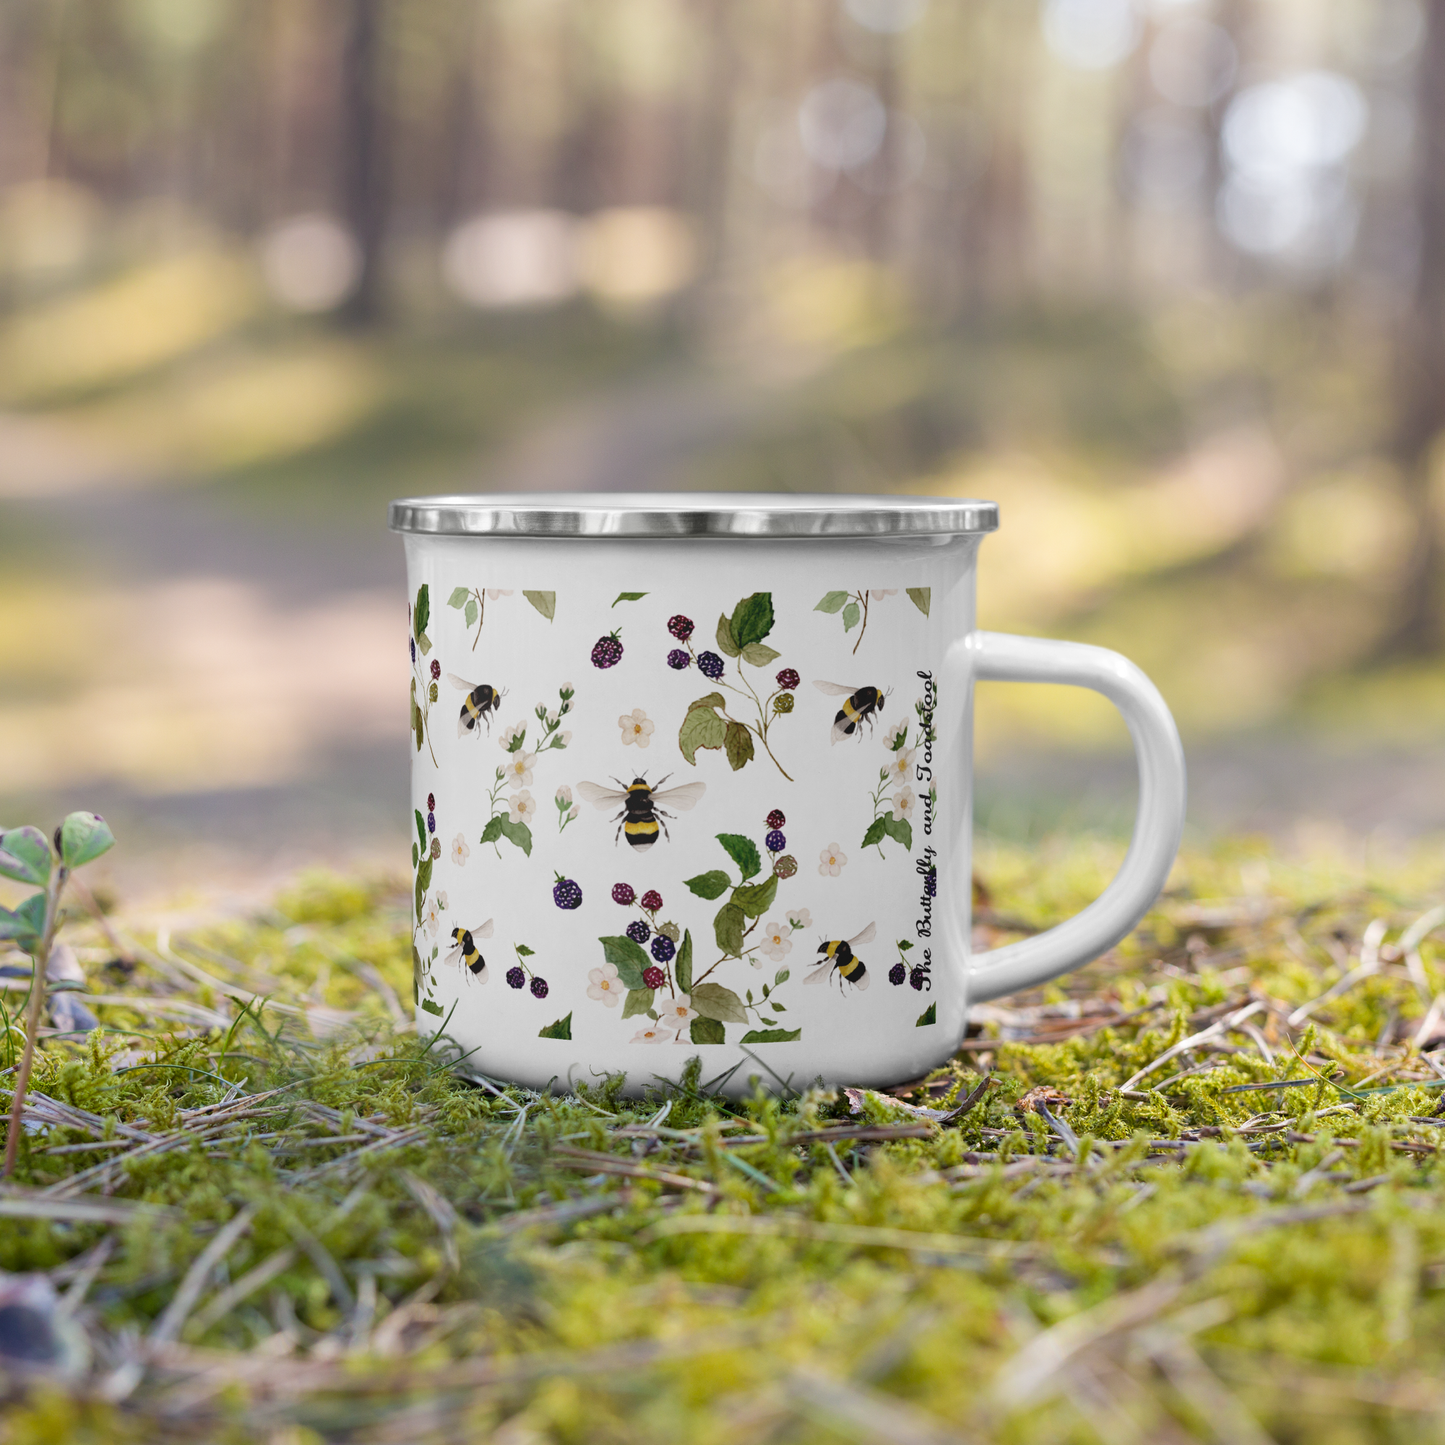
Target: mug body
column 696, row 796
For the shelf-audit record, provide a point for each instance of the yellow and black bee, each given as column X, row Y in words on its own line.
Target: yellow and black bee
column 481, row 700
column 839, row 958
column 640, row 816
column 465, row 953
column 860, row 704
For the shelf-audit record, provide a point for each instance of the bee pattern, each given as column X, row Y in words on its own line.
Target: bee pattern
column 860, row 705
column 481, row 700
column 641, row 817
column 464, row 952
column 839, row 958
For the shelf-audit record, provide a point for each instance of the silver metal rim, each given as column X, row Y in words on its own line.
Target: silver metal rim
column 698, row 514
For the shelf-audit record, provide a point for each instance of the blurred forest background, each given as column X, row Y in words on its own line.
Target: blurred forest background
column 1166, row 278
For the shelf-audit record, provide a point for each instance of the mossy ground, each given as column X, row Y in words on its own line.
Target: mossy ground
column 412, row 1257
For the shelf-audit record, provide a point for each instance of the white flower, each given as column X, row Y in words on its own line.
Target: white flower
column 519, row 767
column 564, row 796
column 441, row 901
column 564, row 737
column 433, row 918
column 552, row 719
column 895, row 732
column 636, row 727
column 495, row 592
column 902, row 764
column 508, row 734
column 903, row 804
column 524, row 807
column 603, row 983
column 652, row 1034
column 567, row 688
column 676, row 1013
column 776, row 943
column 575, row 812
column 800, row 918
column 460, row 851
column 878, row 592
column 831, row 861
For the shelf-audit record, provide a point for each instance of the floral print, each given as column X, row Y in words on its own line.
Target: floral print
column 800, row 918
column 776, row 943
column 523, row 806
column 831, row 861
column 636, row 727
column 460, row 850
column 903, row 804
column 603, row 983
column 652, row 1034
column 854, row 605
column 676, row 1012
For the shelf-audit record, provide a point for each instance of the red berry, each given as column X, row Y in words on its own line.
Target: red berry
column 651, row 900
column 788, row 679
column 680, row 627
column 622, row 893
column 776, row 819
column 653, row 977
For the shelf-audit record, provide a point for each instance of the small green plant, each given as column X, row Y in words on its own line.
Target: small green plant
column 27, row 857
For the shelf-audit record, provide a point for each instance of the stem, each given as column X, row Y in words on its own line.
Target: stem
column 480, row 593
column 727, row 956
column 39, row 960
column 863, row 598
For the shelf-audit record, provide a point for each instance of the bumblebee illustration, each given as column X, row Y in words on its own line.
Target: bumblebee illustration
column 481, row 700
column 860, row 706
column 465, row 953
column 640, row 816
column 839, row 958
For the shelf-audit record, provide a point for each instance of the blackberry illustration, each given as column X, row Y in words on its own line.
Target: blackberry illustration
column 412, row 640
column 775, row 841
column 431, row 822
column 783, row 703
column 607, row 652
column 916, row 978
column 622, row 893
column 680, row 627
column 788, row 679
column 670, row 930
column 930, row 883
column 662, row 948
column 515, row 977
column 431, row 802
column 436, row 848
column 539, row 988
column 638, row 931
column 897, row 974
column 436, row 669
column 786, row 866
column 566, row 894
column 651, row 901
column 776, row 819
column 653, row 977
column 677, row 659
column 710, row 665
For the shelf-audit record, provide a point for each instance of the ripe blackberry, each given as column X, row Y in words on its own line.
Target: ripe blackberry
column 680, row 627
column 662, row 948
column 653, row 977
column 515, row 977
column 431, row 802
column 607, row 652
column 916, row 978
column 788, row 679
column 539, row 988
column 622, row 893
column 677, row 659
column 775, row 841
column 436, row 670
column 431, row 822
column 776, row 819
column 412, row 641
column 930, row 883
column 710, row 665
column 783, row 703
column 897, row 974
column 566, row 894
column 786, row 866
column 638, row 931
column 651, row 900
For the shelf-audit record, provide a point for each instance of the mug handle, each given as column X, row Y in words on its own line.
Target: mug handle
column 1158, row 825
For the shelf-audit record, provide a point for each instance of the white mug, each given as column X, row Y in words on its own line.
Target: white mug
column 692, row 777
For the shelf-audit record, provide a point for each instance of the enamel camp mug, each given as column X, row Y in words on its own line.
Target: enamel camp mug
column 692, row 777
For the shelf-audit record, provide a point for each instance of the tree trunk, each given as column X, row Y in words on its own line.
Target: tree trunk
column 363, row 169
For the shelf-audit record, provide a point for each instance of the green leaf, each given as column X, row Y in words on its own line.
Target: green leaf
column 851, row 614
column 25, row 856
column 493, row 830
column 904, row 944
column 26, row 923
column 459, row 597
column 928, row 1016
column 84, row 837
column 739, row 742
column 725, row 637
column 756, row 901
column 877, row 832
column 420, row 828
column 471, row 613
column 682, row 967
column 518, row 833
column 701, row 728
column 713, row 699
column 544, row 602
column 628, row 959
column 522, row 949
column 922, row 598
column 415, row 854
column 781, row 977
column 709, row 885
column 728, row 929
column 432, row 1008
column 421, row 615
column 772, row 1036
column 562, row 1029
column 713, row 1001
column 423, row 874
column 707, row 1031
column 759, row 654
column 424, row 643
column 831, row 602
column 638, row 1000
column 743, row 852
column 752, row 618
column 418, row 725
column 629, row 597
column 901, row 829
